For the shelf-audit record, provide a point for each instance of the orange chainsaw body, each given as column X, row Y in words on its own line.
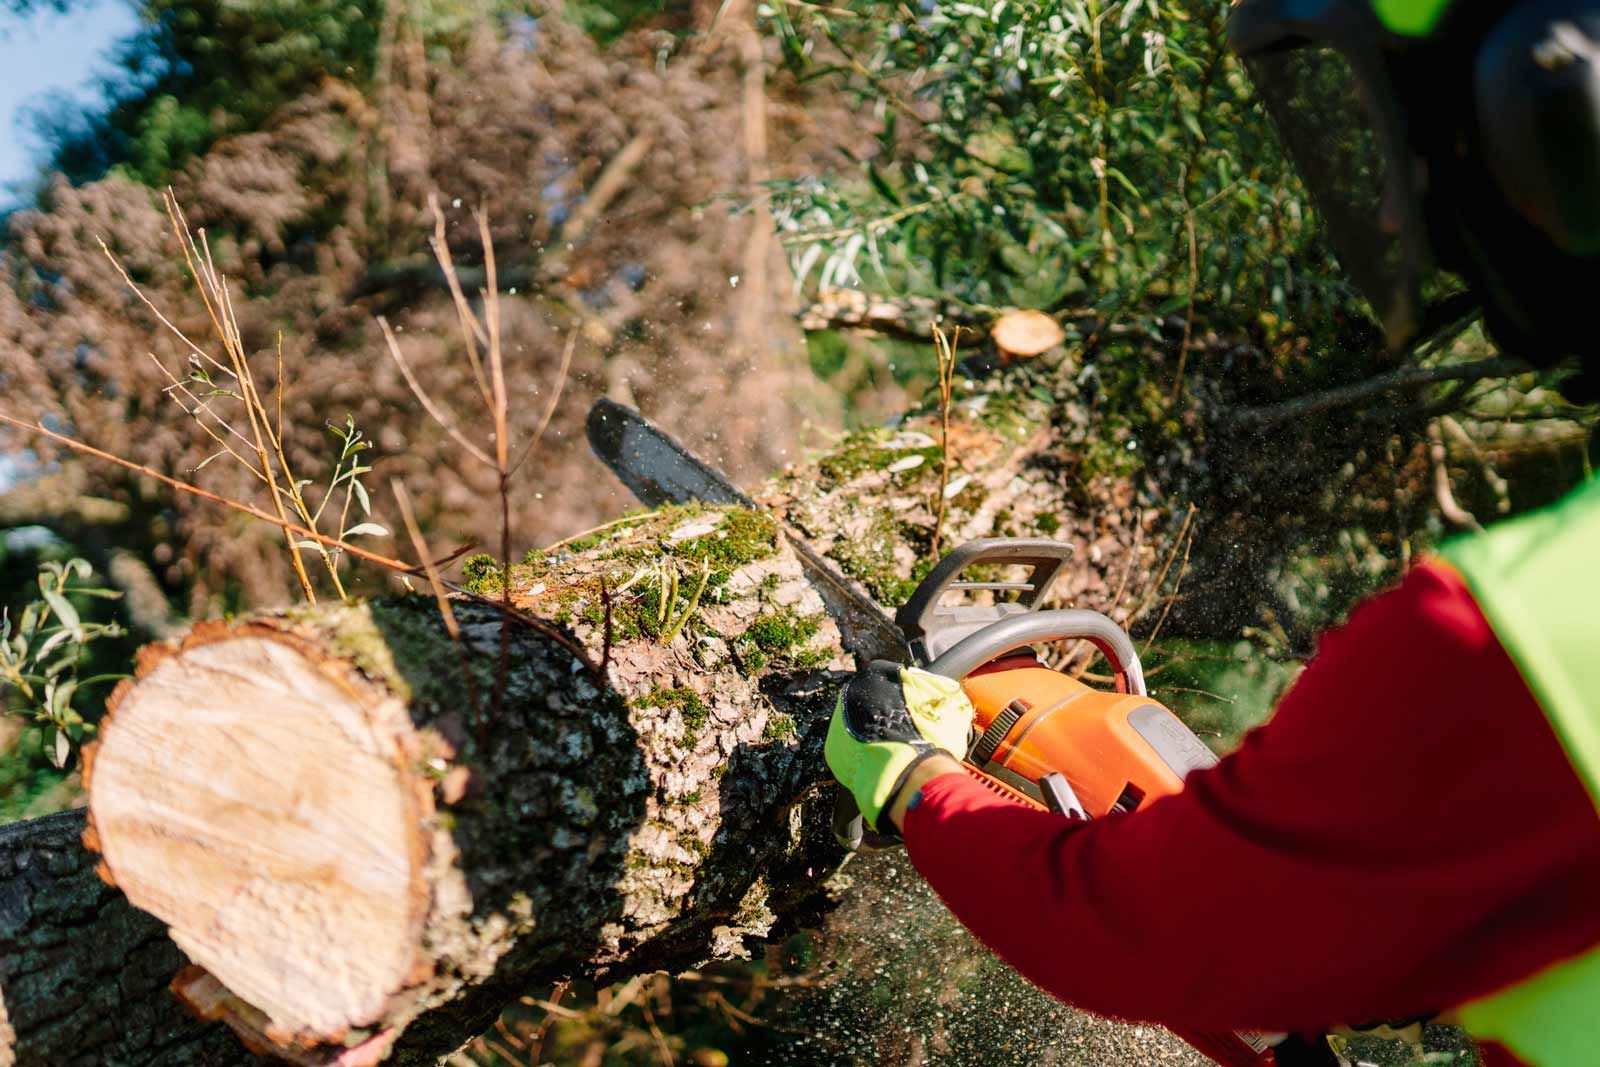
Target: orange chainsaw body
column 1064, row 726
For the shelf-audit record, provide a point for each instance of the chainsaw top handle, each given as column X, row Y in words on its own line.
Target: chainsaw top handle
column 932, row 626
column 956, row 639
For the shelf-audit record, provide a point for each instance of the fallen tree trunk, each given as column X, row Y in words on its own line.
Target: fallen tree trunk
column 83, row 973
column 366, row 840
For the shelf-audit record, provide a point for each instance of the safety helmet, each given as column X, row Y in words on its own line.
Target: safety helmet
column 1461, row 135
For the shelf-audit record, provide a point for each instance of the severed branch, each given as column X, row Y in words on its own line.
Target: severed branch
column 911, row 318
column 1268, row 415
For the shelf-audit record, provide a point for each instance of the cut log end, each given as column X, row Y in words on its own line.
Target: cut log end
column 267, row 805
column 1025, row 334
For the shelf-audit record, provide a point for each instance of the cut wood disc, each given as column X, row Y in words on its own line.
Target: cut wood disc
column 1025, row 334
column 259, row 800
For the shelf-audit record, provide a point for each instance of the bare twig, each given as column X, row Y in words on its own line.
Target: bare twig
column 195, row 491
column 283, row 388
column 200, row 408
column 448, row 424
column 555, row 398
column 1500, row 487
column 1133, row 560
column 266, row 437
column 446, row 612
column 1172, row 598
column 945, row 348
column 408, row 516
column 614, row 178
column 214, row 295
column 605, row 603
column 499, row 411
column 1161, row 579
column 581, row 534
column 1453, row 512
column 469, row 322
column 397, row 566
column 655, row 1032
column 1188, row 311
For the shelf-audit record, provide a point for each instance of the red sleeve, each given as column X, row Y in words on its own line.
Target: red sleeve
column 1404, row 835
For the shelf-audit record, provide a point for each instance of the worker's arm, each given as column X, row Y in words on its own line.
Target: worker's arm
column 1406, row 834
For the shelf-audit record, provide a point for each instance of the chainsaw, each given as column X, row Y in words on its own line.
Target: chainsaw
column 1040, row 737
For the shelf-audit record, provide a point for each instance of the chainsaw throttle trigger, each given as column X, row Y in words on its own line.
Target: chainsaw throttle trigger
column 1059, row 796
column 932, row 626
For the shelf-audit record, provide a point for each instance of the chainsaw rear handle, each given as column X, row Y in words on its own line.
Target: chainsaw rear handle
column 1019, row 631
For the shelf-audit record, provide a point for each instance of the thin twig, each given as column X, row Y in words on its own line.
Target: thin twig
column 218, row 303
column 261, row 435
column 656, row 1034
column 194, row 490
column 945, row 348
column 200, row 408
column 427, row 401
column 1133, row 560
column 301, row 531
column 469, row 322
column 1172, row 598
column 179, row 334
column 1188, row 311
column 581, row 534
column 1442, row 492
column 397, row 566
column 605, row 603
column 1161, row 579
column 555, row 398
column 283, row 387
column 408, row 516
column 614, row 178
column 446, row 612
column 500, row 412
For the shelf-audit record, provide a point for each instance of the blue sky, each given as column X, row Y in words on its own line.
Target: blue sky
column 50, row 51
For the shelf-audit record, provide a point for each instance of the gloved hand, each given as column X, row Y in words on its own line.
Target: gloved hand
column 889, row 719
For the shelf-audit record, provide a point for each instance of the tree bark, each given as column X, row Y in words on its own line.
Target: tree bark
column 362, row 856
column 83, row 974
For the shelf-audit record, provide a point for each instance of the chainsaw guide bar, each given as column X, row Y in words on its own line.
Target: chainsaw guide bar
column 660, row 471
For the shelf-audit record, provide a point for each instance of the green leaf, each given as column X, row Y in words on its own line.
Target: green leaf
column 882, row 185
column 60, row 750
column 60, row 700
column 65, row 612
column 366, row 529
column 362, row 498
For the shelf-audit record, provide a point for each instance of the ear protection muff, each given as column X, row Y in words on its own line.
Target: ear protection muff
column 1536, row 84
column 1514, row 207
column 1485, row 132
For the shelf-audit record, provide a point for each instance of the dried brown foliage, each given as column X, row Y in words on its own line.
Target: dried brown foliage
column 601, row 174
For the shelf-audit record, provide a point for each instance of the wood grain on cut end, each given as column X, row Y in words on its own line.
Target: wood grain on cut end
column 261, row 802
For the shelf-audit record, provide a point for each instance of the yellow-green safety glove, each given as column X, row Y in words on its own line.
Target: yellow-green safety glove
column 889, row 719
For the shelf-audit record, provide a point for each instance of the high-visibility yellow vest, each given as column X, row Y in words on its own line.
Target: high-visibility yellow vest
column 1537, row 580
